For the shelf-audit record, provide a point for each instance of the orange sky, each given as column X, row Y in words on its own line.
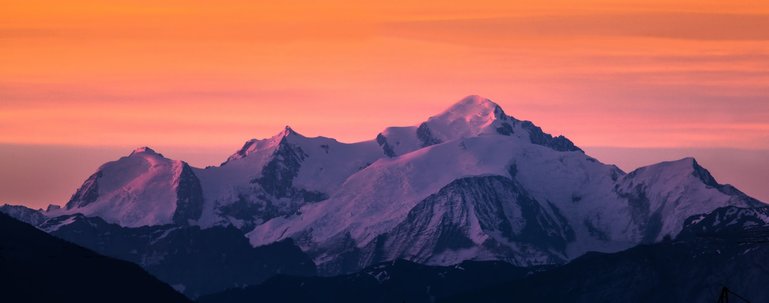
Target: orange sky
column 634, row 82
column 211, row 74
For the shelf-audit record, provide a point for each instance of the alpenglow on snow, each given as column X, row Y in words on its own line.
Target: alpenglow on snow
column 471, row 183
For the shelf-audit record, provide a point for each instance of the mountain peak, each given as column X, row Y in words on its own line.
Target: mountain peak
column 686, row 164
column 468, row 117
column 473, row 107
column 287, row 131
column 254, row 145
column 702, row 173
column 682, row 167
column 145, row 150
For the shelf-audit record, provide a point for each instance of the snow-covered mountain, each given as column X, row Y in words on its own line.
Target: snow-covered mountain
column 470, row 117
column 276, row 176
column 662, row 196
column 143, row 188
column 471, row 183
column 474, row 183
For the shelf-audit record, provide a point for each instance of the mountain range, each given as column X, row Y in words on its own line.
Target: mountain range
column 471, row 183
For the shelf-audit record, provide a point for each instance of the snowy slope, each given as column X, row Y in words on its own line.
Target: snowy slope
column 664, row 195
column 275, row 176
column 143, row 188
column 394, row 187
column 471, row 116
column 325, row 163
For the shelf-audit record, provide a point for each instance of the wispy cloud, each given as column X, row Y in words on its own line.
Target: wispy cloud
column 669, row 25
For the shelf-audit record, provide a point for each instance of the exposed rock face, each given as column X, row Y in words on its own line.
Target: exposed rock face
column 725, row 221
column 537, row 136
column 425, row 135
column 478, row 216
column 87, row 193
column 189, row 197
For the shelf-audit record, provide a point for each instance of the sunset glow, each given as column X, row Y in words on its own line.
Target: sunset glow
column 212, row 74
column 202, row 73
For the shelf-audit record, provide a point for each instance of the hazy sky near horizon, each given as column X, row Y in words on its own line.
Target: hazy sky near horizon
column 207, row 75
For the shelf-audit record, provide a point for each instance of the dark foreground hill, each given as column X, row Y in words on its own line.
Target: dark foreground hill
column 37, row 267
column 397, row 281
column 194, row 261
